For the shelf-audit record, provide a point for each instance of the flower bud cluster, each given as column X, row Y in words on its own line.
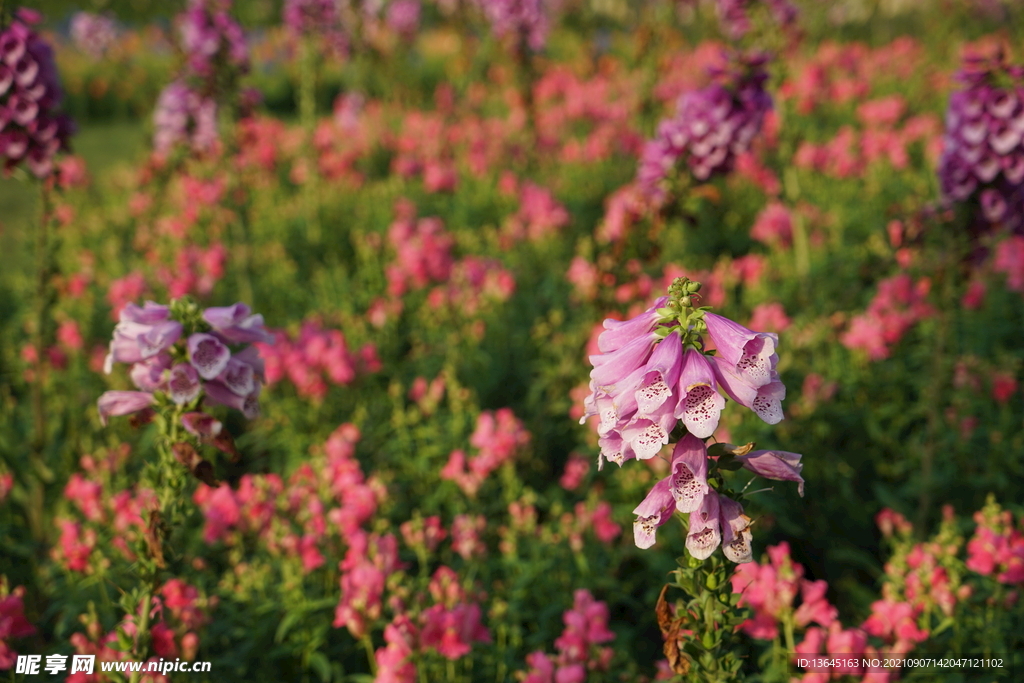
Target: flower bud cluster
column 31, row 130
column 181, row 356
column 654, row 375
column 983, row 155
column 711, row 127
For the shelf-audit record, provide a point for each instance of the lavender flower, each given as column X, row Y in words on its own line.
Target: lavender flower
column 525, row 20
column 93, row 34
column 711, row 127
column 31, row 129
column 982, row 160
column 152, row 337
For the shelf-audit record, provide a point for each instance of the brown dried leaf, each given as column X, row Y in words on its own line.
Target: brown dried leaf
column 154, row 530
column 225, row 443
column 663, row 611
column 677, row 659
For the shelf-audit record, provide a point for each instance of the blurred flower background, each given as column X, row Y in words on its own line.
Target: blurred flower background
column 431, row 215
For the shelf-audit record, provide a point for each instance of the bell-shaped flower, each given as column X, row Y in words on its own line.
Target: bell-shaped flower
column 208, row 355
column 689, row 478
column 700, row 405
column 645, row 437
column 613, row 449
column 750, row 354
column 660, row 375
column 134, row 341
column 705, row 527
column 114, row 403
column 618, row 333
column 736, row 536
column 237, row 324
column 655, row 510
column 183, row 384
column 201, row 425
column 251, row 356
column 149, row 313
column 765, row 400
column 248, row 405
column 148, row 375
column 611, row 368
column 238, row 377
column 777, row 465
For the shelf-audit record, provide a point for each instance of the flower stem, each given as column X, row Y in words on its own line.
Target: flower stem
column 370, row 655
column 41, row 315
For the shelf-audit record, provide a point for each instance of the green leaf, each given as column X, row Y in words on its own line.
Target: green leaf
column 286, row 624
column 319, row 663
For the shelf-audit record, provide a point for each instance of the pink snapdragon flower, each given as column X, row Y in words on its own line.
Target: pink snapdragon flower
column 579, row 645
column 13, row 623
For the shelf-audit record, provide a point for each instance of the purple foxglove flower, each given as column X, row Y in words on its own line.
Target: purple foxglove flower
column 12, row 42
column 149, row 313
column 982, row 160
column 92, row 33
column 207, row 355
column 777, row 465
column 148, row 375
column 765, row 401
column 183, row 384
column 655, row 510
column 238, row 377
column 403, row 17
column 705, row 527
column 699, row 405
column 611, row 368
column 689, row 478
column 159, row 337
column 613, row 450
column 115, row 403
column 526, row 18
column 645, row 437
column 201, row 425
column 736, row 536
column 660, row 375
column 237, row 325
column 752, row 354
column 220, row 394
column 618, row 333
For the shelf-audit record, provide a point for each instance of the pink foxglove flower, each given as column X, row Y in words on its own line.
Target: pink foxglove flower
column 778, row 465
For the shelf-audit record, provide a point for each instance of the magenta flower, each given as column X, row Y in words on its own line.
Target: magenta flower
column 30, row 92
column 705, row 533
column 689, row 478
column 700, row 404
column 736, row 536
column 183, row 384
column 116, row 403
column 751, row 354
column 208, row 355
column 778, row 465
column 237, row 324
column 655, row 511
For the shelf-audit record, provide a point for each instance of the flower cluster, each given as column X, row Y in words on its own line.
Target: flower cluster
column 899, row 304
column 769, row 589
column 181, row 356
column 31, row 130
column 711, row 127
column 92, row 33
column 652, row 376
column 13, row 623
column 315, row 17
column 983, row 155
column 997, row 546
column 315, row 359
column 217, row 53
column 586, row 627
column 498, row 437
column 525, row 20
column 735, row 18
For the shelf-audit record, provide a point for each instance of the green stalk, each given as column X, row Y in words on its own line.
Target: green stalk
column 307, row 115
